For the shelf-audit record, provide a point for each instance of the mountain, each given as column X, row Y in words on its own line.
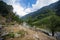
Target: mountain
column 55, row 6
column 47, row 17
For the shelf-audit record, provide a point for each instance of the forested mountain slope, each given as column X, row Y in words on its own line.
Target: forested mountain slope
column 55, row 6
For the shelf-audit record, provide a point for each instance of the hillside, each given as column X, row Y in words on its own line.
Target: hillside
column 12, row 28
column 29, row 35
column 7, row 17
column 55, row 6
column 47, row 18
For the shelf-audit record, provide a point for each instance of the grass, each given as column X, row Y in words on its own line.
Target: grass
column 22, row 33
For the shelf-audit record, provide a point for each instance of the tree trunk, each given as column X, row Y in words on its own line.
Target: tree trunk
column 53, row 33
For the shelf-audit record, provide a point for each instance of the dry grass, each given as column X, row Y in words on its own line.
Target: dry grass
column 30, row 34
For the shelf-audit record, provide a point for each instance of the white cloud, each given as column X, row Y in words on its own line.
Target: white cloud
column 17, row 7
column 41, row 3
column 21, row 11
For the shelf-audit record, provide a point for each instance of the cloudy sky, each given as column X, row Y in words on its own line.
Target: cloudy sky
column 23, row 7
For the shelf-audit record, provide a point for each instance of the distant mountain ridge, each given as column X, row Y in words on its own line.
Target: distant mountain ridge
column 55, row 6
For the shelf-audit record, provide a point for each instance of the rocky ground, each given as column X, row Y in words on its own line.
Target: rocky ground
column 29, row 35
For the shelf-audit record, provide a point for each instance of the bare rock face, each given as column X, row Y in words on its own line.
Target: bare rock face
column 57, row 35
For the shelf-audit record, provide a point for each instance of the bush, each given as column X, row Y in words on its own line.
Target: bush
column 11, row 35
column 22, row 32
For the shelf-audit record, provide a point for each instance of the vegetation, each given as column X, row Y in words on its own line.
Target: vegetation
column 49, row 21
column 5, row 9
column 7, row 12
column 52, row 23
column 7, row 16
column 11, row 35
column 16, row 18
column 22, row 33
column 47, row 18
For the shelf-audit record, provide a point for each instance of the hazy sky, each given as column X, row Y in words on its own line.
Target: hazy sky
column 23, row 7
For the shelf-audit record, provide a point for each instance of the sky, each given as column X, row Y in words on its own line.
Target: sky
column 23, row 7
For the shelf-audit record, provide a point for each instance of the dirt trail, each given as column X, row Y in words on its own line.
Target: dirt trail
column 32, row 35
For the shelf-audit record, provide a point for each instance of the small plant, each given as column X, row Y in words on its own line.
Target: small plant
column 22, row 32
column 11, row 35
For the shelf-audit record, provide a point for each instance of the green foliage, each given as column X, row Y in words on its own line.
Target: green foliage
column 17, row 19
column 49, row 20
column 22, row 32
column 52, row 23
column 11, row 35
column 5, row 9
column 7, row 12
column 29, row 21
column 44, row 14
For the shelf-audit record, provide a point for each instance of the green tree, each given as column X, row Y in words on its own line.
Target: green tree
column 5, row 9
column 30, row 21
column 51, row 22
column 17, row 18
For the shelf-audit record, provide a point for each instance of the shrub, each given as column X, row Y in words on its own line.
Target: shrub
column 11, row 35
column 22, row 32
